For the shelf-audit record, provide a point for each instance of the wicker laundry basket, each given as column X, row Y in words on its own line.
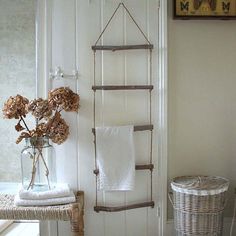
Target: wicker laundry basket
column 199, row 203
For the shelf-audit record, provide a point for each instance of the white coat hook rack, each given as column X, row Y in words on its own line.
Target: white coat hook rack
column 58, row 73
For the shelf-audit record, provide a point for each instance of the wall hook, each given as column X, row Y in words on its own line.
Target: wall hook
column 58, row 73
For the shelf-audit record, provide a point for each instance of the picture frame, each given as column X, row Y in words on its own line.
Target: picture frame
column 204, row 9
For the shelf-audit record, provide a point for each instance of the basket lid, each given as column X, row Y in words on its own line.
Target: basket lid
column 200, row 185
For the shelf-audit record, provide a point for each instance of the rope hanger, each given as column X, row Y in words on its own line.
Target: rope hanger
column 149, row 127
column 132, row 18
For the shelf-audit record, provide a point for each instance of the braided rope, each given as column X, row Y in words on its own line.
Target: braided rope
column 150, row 121
column 109, row 21
column 94, row 126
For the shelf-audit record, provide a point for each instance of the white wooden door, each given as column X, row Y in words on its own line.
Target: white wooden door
column 117, row 108
column 72, row 28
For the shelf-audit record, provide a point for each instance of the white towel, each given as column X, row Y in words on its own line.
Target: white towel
column 115, row 158
column 44, row 202
column 60, row 190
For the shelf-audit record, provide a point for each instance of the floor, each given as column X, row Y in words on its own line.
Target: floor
column 22, row 229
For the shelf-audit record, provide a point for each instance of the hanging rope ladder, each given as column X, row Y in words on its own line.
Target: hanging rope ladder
column 148, row 127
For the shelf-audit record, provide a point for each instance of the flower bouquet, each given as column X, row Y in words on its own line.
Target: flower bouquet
column 49, row 124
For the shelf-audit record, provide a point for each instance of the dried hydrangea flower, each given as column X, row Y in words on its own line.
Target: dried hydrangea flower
column 22, row 136
column 40, row 108
column 39, row 131
column 42, row 129
column 19, row 127
column 15, row 107
column 64, row 98
column 58, row 130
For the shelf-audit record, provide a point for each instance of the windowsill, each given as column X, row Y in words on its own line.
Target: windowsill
column 8, row 187
column 4, row 224
column 21, row 229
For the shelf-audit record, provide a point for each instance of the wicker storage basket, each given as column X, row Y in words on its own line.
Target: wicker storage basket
column 199, row 203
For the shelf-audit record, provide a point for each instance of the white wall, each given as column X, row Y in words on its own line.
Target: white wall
column 17, row 76
column 202, row 108
column 76, row 24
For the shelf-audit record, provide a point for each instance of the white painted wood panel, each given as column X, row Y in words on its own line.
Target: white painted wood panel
column 116, row 108
column 76, row 25
column 64, row 55
column 88, row 23
column 63, row 34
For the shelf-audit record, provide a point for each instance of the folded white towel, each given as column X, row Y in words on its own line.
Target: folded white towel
column 60, row 190
column 44, row 202
column 115, row 158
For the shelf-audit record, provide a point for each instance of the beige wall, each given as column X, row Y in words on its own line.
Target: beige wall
column 202, row 99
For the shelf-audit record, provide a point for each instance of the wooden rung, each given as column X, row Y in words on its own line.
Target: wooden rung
column 143, row 127
column 144, row 167
column 122, row 47
column 122, row 87
column 137, row 167
column 124, row 208
column 137, row 128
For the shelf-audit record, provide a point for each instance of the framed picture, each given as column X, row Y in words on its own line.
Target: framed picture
column 204, row 9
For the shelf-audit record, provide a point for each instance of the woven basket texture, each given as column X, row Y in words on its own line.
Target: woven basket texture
column 9, row 211
column 198, row 215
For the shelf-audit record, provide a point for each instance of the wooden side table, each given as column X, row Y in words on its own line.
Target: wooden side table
column 73, row 212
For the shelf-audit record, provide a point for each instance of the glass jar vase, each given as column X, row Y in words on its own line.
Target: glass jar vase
column 38, row 164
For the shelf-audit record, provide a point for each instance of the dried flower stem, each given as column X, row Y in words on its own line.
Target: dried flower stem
column 54, row 117
column 34, row 170
column 47, row 170
column 21, row 118
column 35, row 160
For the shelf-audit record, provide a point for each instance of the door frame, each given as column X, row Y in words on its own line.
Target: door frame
column 163, row 128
